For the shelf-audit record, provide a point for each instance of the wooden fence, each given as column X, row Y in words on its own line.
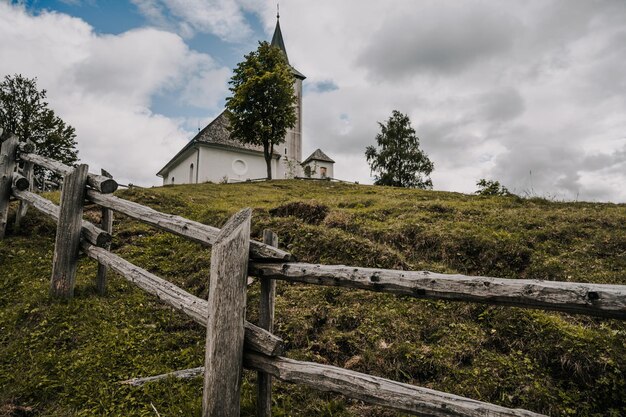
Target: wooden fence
column 233, row 343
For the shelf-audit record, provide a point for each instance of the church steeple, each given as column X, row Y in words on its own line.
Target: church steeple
column 277, row 39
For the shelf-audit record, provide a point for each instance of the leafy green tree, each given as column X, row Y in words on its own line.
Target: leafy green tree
column 25, row 113
column 398, row 160
column 491, row 187
column 261, row 107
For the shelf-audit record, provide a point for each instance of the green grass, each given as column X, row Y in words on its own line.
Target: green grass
column 66, row 358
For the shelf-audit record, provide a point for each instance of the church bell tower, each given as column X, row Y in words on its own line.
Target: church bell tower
column 291, row 150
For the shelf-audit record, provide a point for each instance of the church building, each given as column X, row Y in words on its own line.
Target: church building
column 212, row 155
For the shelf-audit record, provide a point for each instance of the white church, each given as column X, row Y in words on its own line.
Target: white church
column 212, row 155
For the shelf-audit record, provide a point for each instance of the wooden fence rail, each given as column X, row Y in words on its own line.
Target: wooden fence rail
column 367, row 388
column 602, row 300
column 99, row 182
column 179, row 299
column 233, row 342
column 189, row 229
column 90, row 232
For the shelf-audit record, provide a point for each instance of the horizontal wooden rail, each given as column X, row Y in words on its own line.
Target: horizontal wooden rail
column 194, row 307
column 371, row 389
column 602, row 300
column 99, row 182
column 375, row 390
column 190, row 229
column 89, row 231
column 183, row 374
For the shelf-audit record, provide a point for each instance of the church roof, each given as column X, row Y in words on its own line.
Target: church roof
column 277, row 41
column 215, row 134
column 318, row 155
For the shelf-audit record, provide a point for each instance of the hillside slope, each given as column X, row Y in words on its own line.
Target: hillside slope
column 65, row 358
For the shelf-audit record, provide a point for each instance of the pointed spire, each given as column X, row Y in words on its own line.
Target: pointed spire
column 277, row 39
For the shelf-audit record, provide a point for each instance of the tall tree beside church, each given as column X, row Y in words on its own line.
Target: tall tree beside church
column 25, row 113
column 398, row 160
column 261, row 107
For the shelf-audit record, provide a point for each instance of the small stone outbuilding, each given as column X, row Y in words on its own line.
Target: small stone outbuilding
column 318, row 165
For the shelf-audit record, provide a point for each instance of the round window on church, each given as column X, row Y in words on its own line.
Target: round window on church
column 240, row 167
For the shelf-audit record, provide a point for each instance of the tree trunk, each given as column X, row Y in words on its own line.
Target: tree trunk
column 268, row 159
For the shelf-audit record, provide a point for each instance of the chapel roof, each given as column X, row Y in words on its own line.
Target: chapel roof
column 318, row 155
column 216, row 134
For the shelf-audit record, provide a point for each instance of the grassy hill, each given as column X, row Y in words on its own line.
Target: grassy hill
column 65, row 358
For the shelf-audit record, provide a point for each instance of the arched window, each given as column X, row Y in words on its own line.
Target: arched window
column 191, row 174
column 172, row 180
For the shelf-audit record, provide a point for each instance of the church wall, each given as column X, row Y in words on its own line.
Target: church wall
column 216, row 163
column 317, row 168
column 181, row 171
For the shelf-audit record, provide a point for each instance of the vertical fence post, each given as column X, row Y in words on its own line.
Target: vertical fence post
column 223, row 364
column 106, row 224
column 28, row 171
column 266, row 321
column 68, row 233
column 7, row 166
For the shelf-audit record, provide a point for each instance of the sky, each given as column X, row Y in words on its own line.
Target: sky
column 531, row 93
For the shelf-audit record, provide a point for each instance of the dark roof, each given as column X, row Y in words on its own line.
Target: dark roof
column 217, row 134
column 277, row 41
column 318, row 155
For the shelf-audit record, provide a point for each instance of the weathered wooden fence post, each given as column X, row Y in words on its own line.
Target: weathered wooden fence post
column 68, row 233
column 225, row 325
column 7, row 166
column 266, row 321
column 28, row 171
column 106, row 224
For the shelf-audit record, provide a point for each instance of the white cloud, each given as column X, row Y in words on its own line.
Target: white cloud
column 103, row 85
column 223, row 18
column 494, row 89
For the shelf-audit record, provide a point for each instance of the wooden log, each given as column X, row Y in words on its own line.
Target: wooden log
column 26, row 147
column 602, row 300
column 367, row 388
column 196, row 308
column 190, row 229
column 183, row 374
column 226, row 316
column 379, row 391
column 266, row 321
column 370, row 389
column 89, row 231
column 20, row 182
column 101, row 183
column 101, row 276
column 69, row 226
column 28, row 170
column 106, row 224
column 8, row 152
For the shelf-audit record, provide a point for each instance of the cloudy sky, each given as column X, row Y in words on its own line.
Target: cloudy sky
column 531, row 93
